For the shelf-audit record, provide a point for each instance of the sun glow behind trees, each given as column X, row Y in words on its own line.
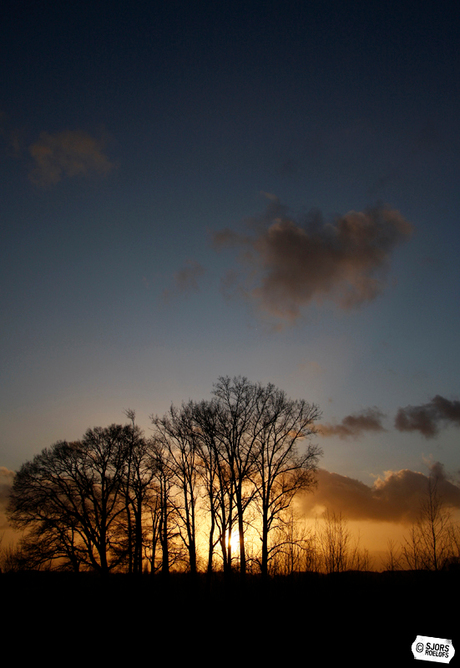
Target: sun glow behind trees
column 220, row 485
column 242, row 446
column 227, row 470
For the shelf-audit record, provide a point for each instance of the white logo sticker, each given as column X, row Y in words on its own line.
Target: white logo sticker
column 433, row 649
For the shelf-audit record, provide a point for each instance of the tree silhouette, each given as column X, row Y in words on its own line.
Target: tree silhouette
column 73, row 492
column 239, row 422
column 430, row 544
column 139, row 473
column 115, row 498
column 163, row 511
column 174, row 431
column 280, row 471
column 215, row 478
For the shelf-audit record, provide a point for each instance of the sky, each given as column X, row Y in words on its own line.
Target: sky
column 269, row 189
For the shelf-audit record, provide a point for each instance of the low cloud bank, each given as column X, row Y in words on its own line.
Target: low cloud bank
column 396, row 497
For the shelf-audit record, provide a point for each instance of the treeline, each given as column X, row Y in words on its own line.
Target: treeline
column 214, row 479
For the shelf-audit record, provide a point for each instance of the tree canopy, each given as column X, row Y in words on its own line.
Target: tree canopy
column 213, row 469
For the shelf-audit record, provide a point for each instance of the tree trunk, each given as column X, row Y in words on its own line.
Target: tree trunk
column 241, row 536
column 264, row 556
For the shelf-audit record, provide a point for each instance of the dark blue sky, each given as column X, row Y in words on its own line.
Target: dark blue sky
column 317, row 141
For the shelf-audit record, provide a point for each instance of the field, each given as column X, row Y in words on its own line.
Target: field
column 308, row 619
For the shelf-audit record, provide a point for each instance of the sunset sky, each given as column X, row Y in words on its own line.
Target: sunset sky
column 267, row 189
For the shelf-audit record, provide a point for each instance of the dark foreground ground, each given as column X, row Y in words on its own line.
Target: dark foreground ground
column 357, row 619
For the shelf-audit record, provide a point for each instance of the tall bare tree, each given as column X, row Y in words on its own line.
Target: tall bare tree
column 162, row 508
column 335, row 543
column 281, row 470
column 430, row 543
column 215, row 478
column 175, row 431
column 139, row 473
column 256, row 433
column 237, row 430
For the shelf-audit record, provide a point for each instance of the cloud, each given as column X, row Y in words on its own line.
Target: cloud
column 67, row 154
column 289, row 262
column 396, row 497
column 429, row 418
column 186, row 279
column 354, row 425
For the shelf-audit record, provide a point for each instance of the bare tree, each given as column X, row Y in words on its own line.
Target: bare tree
column 237, row 446
column 280, row 470
column 430, row 543
column 72, row 493
column 247, row 438
column 392, row 557
column 162, row 507
column 175, row 431
column 334, row 543
column 292, row 546
column 216, row 479
column 52, row 544
column 339, row 551
column 115, row 498
column 139, row 472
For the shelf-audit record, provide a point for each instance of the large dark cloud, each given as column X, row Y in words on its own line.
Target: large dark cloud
column 355, row 425
column 429, row 418
column 396, row 497
column 288, row 261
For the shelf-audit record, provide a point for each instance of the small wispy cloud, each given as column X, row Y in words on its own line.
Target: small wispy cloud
column 186, row 280
column 429, row 418
column 288, row 262
column 369, row 420
column 67, row 154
